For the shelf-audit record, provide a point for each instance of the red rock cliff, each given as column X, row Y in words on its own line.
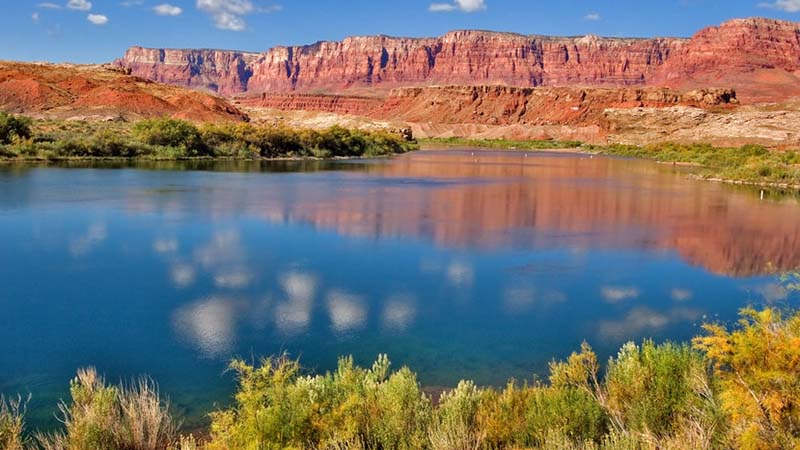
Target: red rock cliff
column 460, row 57
column 758, row 57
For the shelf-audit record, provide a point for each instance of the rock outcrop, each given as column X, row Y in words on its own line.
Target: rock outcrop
column 96, row 93
column 748, row 54
column 501, row 105
column 339, row 104
column 459, row 57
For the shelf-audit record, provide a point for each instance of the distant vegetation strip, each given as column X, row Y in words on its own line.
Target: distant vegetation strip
column 731, row 388
column 753, row 164
column 747, row 164
column 503, row 143
column 162, row 139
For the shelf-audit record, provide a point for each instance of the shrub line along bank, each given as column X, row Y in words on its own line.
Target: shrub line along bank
column 24, row 139
column 731, row 389
column 167, row 139
column 749, row 164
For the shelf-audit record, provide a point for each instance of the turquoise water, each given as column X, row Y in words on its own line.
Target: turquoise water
column 461, row 264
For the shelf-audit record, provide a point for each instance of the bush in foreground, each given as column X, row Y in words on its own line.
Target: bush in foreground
column 12, row 424
column 758, row 365
column 104, row 417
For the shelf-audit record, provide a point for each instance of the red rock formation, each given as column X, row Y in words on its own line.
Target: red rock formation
column 460, row 57
column 751, row 55
column 339, row 104
column 90, row 92
column 219, row 71
column 501, row 105
column 735, row 54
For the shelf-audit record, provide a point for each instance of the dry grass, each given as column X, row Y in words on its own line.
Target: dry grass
column 12, row 424
column 103, row 417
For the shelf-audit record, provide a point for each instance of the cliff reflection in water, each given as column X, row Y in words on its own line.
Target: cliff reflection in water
column 491, row 199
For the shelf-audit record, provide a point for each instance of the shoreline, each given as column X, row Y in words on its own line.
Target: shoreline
column 424, row 145
column 624, row 152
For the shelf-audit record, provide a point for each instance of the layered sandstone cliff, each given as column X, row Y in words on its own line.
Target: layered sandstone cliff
column 459, row 57
column 751, row 55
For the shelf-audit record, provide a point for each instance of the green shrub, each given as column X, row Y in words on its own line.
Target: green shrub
column 278, row 408
column 456, row 422
column 172, row 133
column 654, row 390
column 570, row 412
column 14, row 128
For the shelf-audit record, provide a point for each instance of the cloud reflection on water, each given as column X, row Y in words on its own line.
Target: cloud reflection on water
column 209, row 324
column 399, row 312
column 95, row 234
column 618, row 294
column 643, row 320
column 347, row 311
column 293, row 315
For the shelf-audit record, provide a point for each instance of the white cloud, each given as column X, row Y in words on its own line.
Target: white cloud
column 593, row 16
column 35, row 17
column 128, row 4
column 48, row 5
column 80, row 5
column 783, row 5
column 467, row 6
column 166, row 9
column 229, row 14
column 97, row 19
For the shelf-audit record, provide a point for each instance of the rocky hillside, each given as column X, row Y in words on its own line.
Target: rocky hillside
column 751, row 55
column 102, row 93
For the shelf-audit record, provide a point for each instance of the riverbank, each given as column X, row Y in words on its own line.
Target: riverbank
column 747, row 165
column 22, row 139
column 730, row 388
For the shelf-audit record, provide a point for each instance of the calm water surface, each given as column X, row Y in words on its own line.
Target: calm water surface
column 481, row 266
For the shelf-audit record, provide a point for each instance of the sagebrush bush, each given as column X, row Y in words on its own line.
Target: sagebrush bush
column 172, row 133
column 179, row 139
column 750, row 162
column 278, row 408
column 103, row 417
column 758, row 364
column 12, row 423
column 736, row 389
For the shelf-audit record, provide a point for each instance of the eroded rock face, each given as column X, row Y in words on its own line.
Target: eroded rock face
column 219, row 71
column 460, row 57
column 737, row 46
column 502, row 105
column 96, row 93
column 748, row 54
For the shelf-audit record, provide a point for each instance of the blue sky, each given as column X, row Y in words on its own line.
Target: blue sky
column 86, row 31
